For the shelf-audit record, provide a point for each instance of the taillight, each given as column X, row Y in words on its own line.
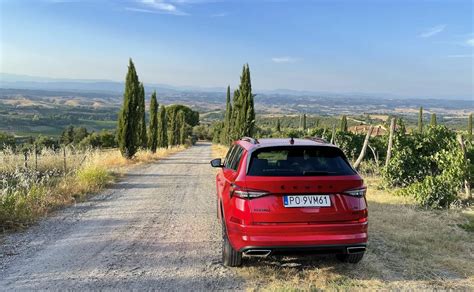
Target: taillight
column 359, row 192
column 244, row 193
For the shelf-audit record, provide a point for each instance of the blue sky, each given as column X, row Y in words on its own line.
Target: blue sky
column 407, row 48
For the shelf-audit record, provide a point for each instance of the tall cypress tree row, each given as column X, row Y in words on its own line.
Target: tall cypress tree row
column 469, row 128
column 420, row 120
column 153, row 130
column 128, row 122
column 344, row 123
column 182, row 127
column 433, row 121
column 162, row 128
column 141, row 116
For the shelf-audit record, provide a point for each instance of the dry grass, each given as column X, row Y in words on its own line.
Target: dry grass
column 409, row 248
column 219, row 151
column 28, row 194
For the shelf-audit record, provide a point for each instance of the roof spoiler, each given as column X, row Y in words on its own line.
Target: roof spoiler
column 250, row 140
column 317, row 139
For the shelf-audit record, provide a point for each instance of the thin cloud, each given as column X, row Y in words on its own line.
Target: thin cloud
column 157, row 6
column 470, row 42
column 134, row 9
column 433, row 31
column 285, row 60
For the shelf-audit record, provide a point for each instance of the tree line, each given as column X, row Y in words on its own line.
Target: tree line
column 168, row 126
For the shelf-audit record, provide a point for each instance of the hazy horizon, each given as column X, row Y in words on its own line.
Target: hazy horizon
column 400, row 48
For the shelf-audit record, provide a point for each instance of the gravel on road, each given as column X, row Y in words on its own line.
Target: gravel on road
column 154, row 229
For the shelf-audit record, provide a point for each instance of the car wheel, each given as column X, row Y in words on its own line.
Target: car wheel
column 230, row 257
column 353, row 258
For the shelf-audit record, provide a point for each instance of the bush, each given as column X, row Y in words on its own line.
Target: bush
column 93, row 177
column 470, row 156
column 6, row 141
column 430, row 166
column 413, row 156
column 202, row 132
column 433, row 192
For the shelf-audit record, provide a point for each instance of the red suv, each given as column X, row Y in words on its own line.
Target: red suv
column 289, row 196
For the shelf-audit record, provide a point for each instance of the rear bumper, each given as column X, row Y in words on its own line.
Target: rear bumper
column 330, row 237
column 304, row 250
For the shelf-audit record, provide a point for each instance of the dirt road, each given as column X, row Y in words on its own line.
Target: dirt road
column 156, row 229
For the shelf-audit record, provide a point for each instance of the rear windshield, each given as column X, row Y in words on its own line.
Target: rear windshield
column 299, row 161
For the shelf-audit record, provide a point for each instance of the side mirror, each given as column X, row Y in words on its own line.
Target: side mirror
column 216, row 163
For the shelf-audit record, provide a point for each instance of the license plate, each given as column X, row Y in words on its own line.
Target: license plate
column 307, row 201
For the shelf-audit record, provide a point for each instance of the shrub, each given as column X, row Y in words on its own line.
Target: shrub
column 413, row 156
column 433, row 192
column 435, row 169
column 93, row 177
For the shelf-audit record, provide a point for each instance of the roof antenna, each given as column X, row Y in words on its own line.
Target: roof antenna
column 292, row 141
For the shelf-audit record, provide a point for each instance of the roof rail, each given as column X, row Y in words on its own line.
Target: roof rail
column 317, row 139
column 250, row 140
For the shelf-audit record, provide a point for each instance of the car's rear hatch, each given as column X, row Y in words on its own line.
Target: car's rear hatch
column 317, row 179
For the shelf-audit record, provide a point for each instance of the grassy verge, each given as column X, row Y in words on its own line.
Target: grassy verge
column 219, row 151
column 409, row 248
column 27, row 194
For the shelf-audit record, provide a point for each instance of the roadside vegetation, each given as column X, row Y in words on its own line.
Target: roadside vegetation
column 43, row 174
column 60, row 178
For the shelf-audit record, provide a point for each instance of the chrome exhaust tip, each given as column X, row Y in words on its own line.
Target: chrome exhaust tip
column 355, row 249
column 257, row 252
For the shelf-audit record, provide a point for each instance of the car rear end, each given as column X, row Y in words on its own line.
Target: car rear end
column 304, row 197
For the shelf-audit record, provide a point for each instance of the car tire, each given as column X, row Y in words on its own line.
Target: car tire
column 230, row 257
column 353, row 258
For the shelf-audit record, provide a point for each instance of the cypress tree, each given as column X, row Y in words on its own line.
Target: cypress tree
column 172, row 127
column 225, row 134
column 127, row 122
column 433, row 121
column 469, row 128
column 162, row 128
column 243, row 113
column 344, row 124
column 250, row 116
column 236, row 111
column 175, row 127
column 216, row 131
column 304, row 122
column 182, row 127
column 278, row 126
column 420, row 120
column 141, row 116
column 153, row 138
